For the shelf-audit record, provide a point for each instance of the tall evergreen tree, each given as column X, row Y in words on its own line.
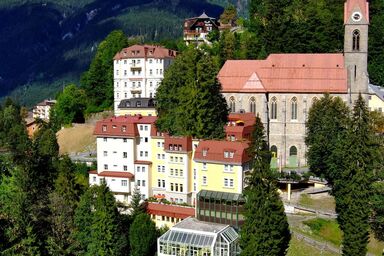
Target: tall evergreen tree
column 136, row 206
column 98, row 80
column 143, row 245
column 265, row 230
column 63, row 202
column 327, row 121
column 188, row 100
column 97, row 223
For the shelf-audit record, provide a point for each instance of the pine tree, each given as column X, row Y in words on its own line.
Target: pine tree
column 265, row 230
column 327, row 121
column 189, row 101
column 353, row 160
column 143, row 245
column 97, row 223
column 136, row 206
column 63, row 202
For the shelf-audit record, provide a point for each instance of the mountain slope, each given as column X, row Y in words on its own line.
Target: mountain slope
column 46, row 45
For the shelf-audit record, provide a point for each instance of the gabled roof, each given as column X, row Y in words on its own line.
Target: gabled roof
column 170, row 210
column 215, row 152
column 315, row 73
column 145, row 51
column 124, row 174
column 122, row 126
column 377, row 90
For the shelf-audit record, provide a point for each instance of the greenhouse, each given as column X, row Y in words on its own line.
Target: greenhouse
column 192, row 237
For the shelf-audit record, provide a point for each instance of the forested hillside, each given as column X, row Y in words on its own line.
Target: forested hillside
column 47, row 44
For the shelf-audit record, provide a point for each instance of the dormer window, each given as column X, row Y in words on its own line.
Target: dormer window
column 205, row 151
column 114, row 126
column 138, row 103
column 231, row 154
column 104, row 128
column 226, row 154
column 124, row 128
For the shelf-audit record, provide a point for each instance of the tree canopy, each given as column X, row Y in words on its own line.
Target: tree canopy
column 188, row 100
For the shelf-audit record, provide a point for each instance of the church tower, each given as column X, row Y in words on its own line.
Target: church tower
column 356, row 22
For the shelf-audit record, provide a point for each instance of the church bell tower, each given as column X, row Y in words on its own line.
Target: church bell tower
column 356, row 22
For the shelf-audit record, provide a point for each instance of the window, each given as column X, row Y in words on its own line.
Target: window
column 176, row 187
column 141, row 153
column 232, row 105
column 171, row 187
column 252, row 105
column 158, row 144
column 150, row 72
column 205, row 151
column 171, row 172
column 158, row 156
column 145, row 127
column 124, row 128
column 293, row 151
column 143, row 183
column 125, row 168
column 181, row 159
column 176, row 172
column 226, row 154
column 163, row 156
column 228, row 183
column 204, row 180
column 356, row 40
column 159, row 183
column 274, row 151
column 194, row 174
column 225, row 182
column 125, row 140
column 204, row 166
column 105, row 167
column 104, row 128
column 105, row 153
column 125, row 72
column 125, row 84
column 294, row 108
column 105, row 139
column 138, row 169
column 171, row 158
column 231, row 183
column 150, row 84
column 138, row 183
column 94, row 179
column 125, row 155
column 163, row 168
column 181, row 173
column 163, row 183
column 159, row 168
column 142, row 169
column 274, row 108
column 146, row 139
column 124, row 183
column 146, row 153
column 231, row 154
column 117, row 95
column 194, row 187
column 141, row 127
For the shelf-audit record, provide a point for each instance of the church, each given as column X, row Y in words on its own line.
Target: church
column 282, row 88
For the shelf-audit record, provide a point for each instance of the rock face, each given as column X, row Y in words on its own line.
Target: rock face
column 43, row 43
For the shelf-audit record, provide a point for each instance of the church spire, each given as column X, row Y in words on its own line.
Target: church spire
column 356, row 11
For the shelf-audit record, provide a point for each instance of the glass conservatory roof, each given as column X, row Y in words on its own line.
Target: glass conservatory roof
column 230, row 235
column 216, row 195
column 191, row 239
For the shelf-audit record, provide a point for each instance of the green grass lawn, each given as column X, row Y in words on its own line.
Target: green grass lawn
column 300, row 248
column 327, row 203
column 329, row 231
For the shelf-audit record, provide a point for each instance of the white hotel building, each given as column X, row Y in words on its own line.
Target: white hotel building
column 138, row 71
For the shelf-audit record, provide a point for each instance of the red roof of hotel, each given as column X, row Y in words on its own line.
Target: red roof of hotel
column 215, row 152
column 113, row 174
column 170, row 210
column 351, row 6
column 143, row 162
column 125, row 126
column 145, row 51
column 315, row 73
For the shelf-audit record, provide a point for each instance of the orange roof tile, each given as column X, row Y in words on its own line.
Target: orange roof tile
column 145, row 51
column 215, row 152
column 170, row 210
column 124, row 126
column 143, row 162
column 116, row 174
column 316, row 73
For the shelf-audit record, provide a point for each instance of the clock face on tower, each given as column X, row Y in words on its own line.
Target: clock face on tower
column 356, row 16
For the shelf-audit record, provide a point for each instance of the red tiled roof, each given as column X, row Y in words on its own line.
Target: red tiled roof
column 286, row 73
column 145, row 51
column 215, row 151
column 92, row 172
column 125, row 126
column 116, row 174
column 183, row 144
column 143, row 162
column 170, row 210
column 351, row 6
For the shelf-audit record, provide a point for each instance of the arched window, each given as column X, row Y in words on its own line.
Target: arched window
column 293, row 151
column 252, row 105
column 274, row 108
column 294, row 108
column 356, row 40
column 232, row 105
column 274, row 151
